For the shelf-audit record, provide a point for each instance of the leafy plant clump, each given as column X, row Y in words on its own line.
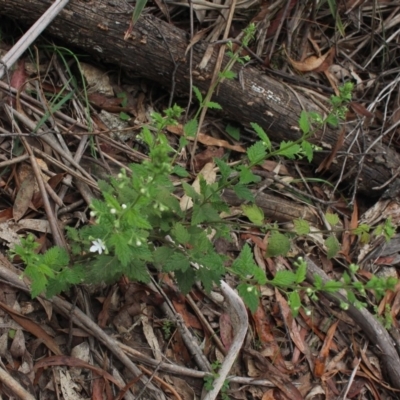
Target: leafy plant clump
column 140, row 223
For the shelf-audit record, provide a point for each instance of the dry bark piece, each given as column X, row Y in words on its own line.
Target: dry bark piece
column 162, row 46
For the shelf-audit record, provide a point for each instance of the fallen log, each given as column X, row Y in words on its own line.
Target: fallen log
column 156, row 50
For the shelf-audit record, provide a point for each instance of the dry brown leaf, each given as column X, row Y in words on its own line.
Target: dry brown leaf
column 33, row 328
column 320, row 362
column 207, row 140
column 68, row 361
column 209, row 175
column 24, row 196
column 309, row 64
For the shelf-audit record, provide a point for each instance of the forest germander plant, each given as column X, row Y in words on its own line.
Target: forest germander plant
column 139, row 222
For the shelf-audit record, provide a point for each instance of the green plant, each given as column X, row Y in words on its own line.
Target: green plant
column 209, row 380
column 167, row 328
column 140, row 223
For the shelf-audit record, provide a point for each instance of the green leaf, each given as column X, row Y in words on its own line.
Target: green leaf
column 301, row 227
column 38, row 285
column 56, row 258
column 190, row 128
column 205, row 212
column 333, row 219
column 140, row 5
column 228, row 74
column 278, row 245
column 180, row 171
column 198, row 94
column 294, row 303
column 137, row 271
column 180, row 234
column 256, row 153
column 262, row 135
column 214, row 105
column 185, row 279
column 250, row 296
column 259, row 276
column 304, row 123
column 233, row 131
column 224, row 168
column 308, row 150
column 244, row 264
column 176, row 262
column 332, row 120
column 301, row 272
column 332, row 246
column 189, row 191
column 332, row 286
column 318, row 283
column 254, row 213
column 246, row 176
column 243, row 192
column 123, row 116
column 161, row 255
column 284, row 279
column 289, row 149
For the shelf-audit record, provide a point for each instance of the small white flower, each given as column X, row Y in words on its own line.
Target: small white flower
column 250, row 288
column 123, row 206
column 120, row 175
column 92, row 213
column 98, row 246
column 113, row 211
column 138, row 243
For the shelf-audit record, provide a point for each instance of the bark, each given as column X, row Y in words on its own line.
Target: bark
column 156, row 50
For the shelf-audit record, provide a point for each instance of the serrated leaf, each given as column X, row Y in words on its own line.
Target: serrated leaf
column 262, row 135
column 233, row 131
column 259, row 276
column 205, row 212
column 177, row 262
column 301, row 227
column 246, row 176
column 161, row 254
column 304, row 124
column 278, row 245
column 214, row 105
column 180, row 234
column 250, row 296
column 137, row 271
column 198, row 94
column 294, row 303
column 244, row 264
column 318, row 283
column 301, row 273
column 190, row 128
column 289, row 149
column 332, row 286
column 56, row 257
column 346, row 278
column 256, row 153
column 190, row 191
column 224, row 168
column 333, row 219
column 180, row 171
column 284, row 278
column 243, row 192
column 332, row 120
column 254, row 213
column 308, row 150
column 332, row 246
column 185, row 279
